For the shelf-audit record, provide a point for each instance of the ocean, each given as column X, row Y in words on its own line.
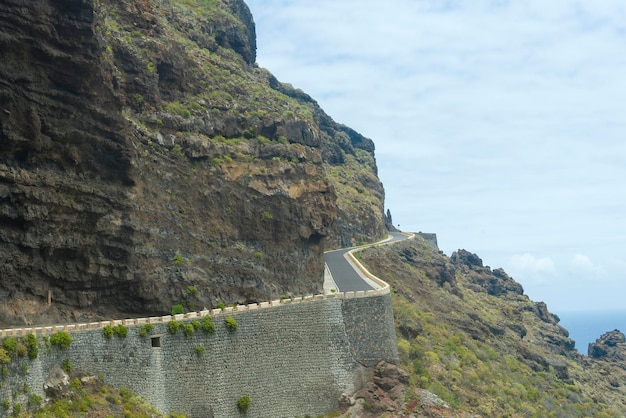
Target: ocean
column 587, row 327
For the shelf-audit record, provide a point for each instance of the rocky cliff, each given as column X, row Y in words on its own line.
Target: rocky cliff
column 145, row 161
column 473, row 344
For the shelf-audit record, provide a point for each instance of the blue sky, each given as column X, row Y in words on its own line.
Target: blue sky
column 498, row 124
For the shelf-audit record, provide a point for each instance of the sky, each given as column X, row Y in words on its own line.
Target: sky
column 499, row 125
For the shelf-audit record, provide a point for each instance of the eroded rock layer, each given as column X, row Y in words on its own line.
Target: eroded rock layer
column 145, row 161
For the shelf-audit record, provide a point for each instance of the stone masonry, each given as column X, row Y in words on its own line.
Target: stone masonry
column 292, row 357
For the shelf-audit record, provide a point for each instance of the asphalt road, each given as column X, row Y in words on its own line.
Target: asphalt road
column 347, row 278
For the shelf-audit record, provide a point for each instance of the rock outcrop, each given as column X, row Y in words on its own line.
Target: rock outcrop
column 143, row 154
column 482, row 278
column 611, row 346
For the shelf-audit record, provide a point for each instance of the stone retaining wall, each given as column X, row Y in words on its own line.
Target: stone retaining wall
column 292, row 357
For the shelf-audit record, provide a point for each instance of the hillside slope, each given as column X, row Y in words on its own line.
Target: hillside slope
column 469, row 335
column 146, row 160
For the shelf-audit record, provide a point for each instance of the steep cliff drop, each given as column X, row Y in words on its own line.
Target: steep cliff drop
column 146, row 161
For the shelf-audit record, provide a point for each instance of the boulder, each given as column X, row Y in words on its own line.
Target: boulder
column 57, row 385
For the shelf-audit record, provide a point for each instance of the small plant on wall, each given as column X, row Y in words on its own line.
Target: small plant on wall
column 66, row 365
column 4, row 359
column 120, row 330
column 145, row 329
column 199, row 350
column 207, row 325
column 173, row 326
column 61, row 339
column 10, row 345
column 188, row 330
column 243, row 404
column 33, row 346
column 107, row 331
column 231, row 323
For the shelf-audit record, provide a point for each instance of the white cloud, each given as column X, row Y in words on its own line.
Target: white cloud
column 498, row 124
column 581, row 261
column 529, row 263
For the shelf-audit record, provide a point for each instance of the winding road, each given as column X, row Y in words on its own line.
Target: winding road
column 346, row 277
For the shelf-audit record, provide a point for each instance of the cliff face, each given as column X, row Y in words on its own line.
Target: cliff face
column 145, row 160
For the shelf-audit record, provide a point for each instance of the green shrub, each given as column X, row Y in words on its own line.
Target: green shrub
column 243, row 404
column 220, row 305
column 207, row 325
column 145, row 329
column 17, row 409
column 173, row 326
column 24, row 368
column 31, row 340
column 178, row 309
column 199, row 350
column 192, row 290
column 177, row 150
column 76, row 384
column 33, row 346
column 61, row 339
column 231, row 323
column 120, row 330
column 178, row 259
column 188, row 330
column 107, row 331
column 10, row 345
column 4, row 356
column 67, row 365
column 178, row 109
